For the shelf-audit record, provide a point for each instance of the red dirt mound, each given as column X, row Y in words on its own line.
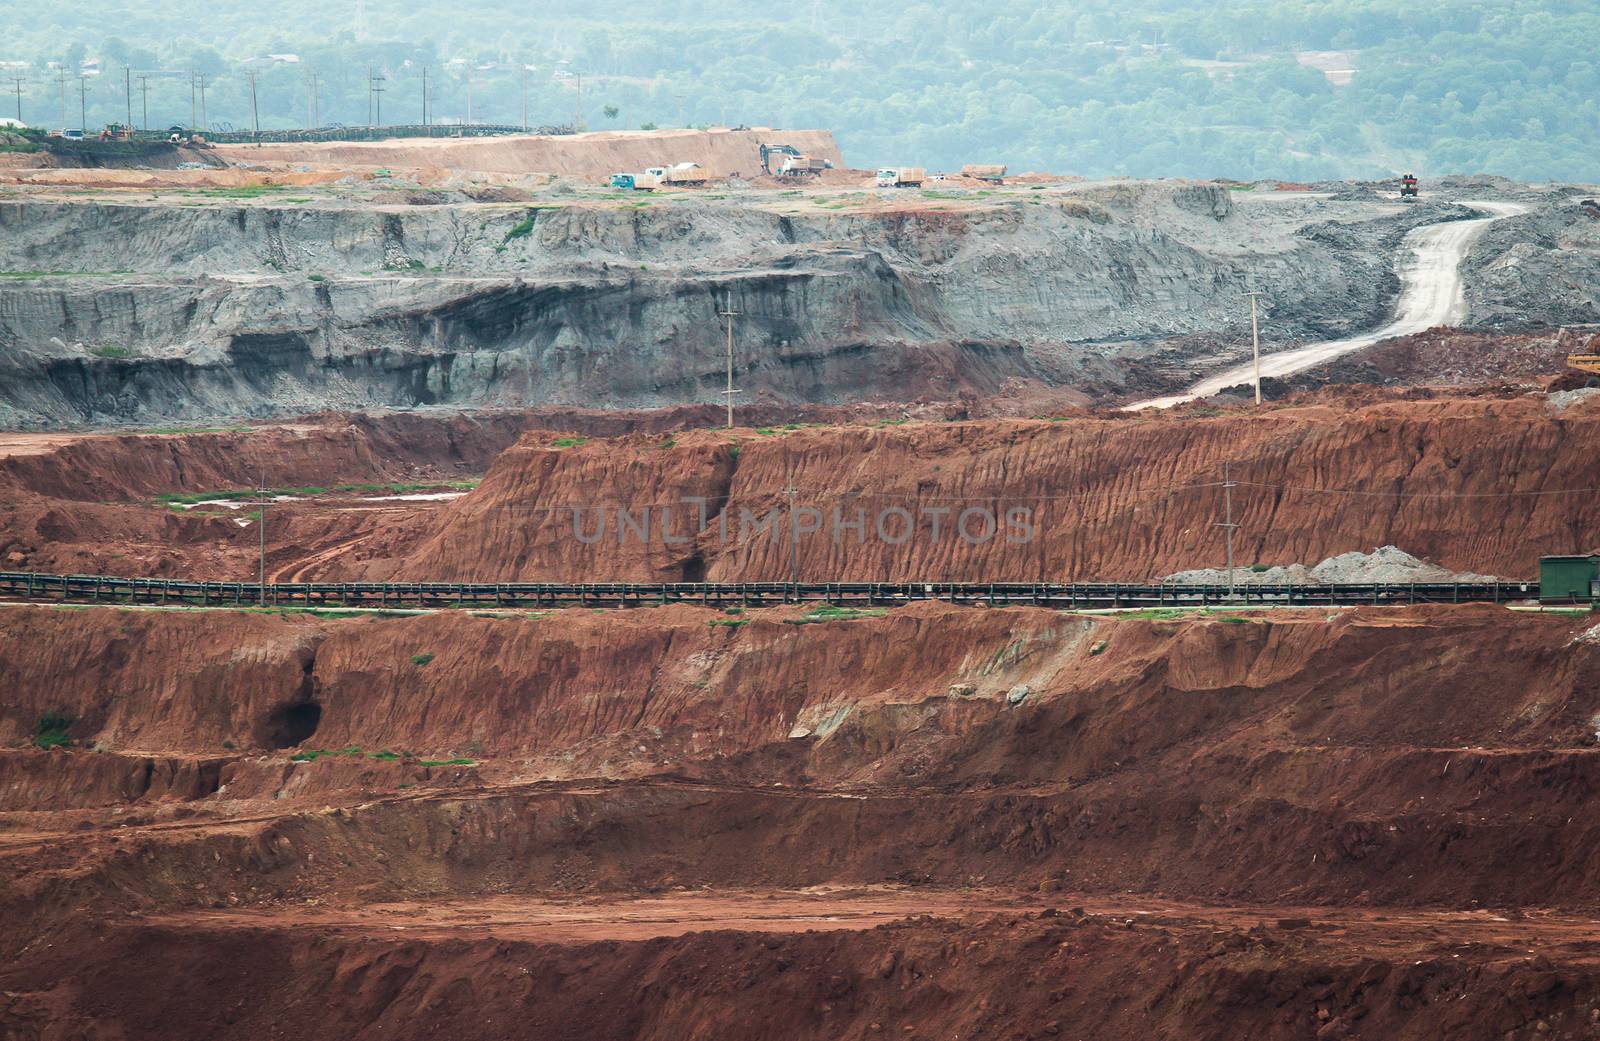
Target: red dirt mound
column 1485, row 486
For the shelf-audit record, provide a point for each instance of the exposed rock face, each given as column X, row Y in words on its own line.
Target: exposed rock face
column 1539, row 269
column 1124, row 498
column 253, row 309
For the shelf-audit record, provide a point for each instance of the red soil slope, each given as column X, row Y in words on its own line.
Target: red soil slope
column 1200, row 757
column 956, row 770
column 1486, row 486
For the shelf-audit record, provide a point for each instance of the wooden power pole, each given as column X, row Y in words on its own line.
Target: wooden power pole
column 1227, row 523
column 1255, row 342
column 255, row 114
column 730, row 314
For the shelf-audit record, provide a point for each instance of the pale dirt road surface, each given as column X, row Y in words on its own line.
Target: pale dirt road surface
column 1432, row 296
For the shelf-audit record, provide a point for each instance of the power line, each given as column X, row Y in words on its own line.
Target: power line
column 1419, row 495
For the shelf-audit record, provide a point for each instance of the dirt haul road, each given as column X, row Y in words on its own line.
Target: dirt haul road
column 1432, row 296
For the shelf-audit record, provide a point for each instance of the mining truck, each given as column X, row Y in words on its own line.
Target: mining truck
column 803, row 166
column 900, row 177
column 684, row 175
column 1408, row 186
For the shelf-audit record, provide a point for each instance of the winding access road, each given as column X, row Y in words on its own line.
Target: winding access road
column 1431, row 295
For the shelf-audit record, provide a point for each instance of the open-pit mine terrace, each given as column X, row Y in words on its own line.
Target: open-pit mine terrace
column 912, row 820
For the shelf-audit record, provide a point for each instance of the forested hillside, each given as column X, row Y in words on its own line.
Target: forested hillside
column 1288, row 88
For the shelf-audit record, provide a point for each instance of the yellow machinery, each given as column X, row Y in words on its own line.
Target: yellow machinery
column 1583, row 349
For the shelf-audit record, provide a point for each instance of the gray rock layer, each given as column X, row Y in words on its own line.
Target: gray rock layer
column 134, row 313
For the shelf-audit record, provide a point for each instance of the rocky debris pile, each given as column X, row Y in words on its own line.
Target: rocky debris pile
column 1541, row 268
column 1384, row 564
column 1563, row 399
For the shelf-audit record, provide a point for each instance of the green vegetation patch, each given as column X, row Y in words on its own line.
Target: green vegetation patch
column 830, row 613
column 569, row 442
column 51, row 732
column 522, row 229
column 420, row 660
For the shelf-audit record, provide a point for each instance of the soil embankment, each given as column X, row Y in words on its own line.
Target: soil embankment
column 1474, row 485
column 593, row 156
column 769, row 814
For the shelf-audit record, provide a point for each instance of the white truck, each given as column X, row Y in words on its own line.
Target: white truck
column 901, row 177
column 803, row 166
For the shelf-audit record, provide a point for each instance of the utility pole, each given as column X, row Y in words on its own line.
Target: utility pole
column 194, row 112
column 255, row 114
column 202, row 100
column 730, row 314
column 83, row 104
column 794, row 544
column 377, row 99
column 1255, row 342
column 144, row 101
column 127, row 92
column 313, row 117
column 1227, row 522
column 261, row 532
column 18, row 81
column 424, row 95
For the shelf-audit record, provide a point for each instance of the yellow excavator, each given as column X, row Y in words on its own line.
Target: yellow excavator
column 1583, row 350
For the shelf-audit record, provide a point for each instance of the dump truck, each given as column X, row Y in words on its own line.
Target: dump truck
column 995, row 173
column 900, row 177
column 684, row 175
column 803, row 166
column 650, row 179
column 622, row 180
column 1408, row 186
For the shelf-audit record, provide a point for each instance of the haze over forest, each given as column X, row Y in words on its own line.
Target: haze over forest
column 1289, row 89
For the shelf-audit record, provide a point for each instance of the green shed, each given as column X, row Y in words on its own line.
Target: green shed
column 1568, row 578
